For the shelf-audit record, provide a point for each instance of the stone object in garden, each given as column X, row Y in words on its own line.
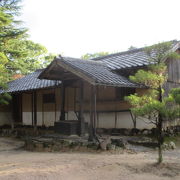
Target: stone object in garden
column 111, row 147
column 120, row 143
column 172, row 145
column 104, row 143
column 146, row 132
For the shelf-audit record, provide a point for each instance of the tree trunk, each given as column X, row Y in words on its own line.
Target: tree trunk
column 160, row 158
column 159, row 127
column 160, row 140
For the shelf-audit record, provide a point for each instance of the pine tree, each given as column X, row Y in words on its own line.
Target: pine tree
column 17, row 53
column 152, row 104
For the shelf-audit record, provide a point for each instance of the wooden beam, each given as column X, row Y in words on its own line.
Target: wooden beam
column 43, row 75
column 76, row 72
column 32, row 106
column 91, row 134
column 81, row 113
column 63, row 88
column 12, row 110
column 43, row 113
column 93, row 114
column 55, row 105
column 115, row 126
column 94, row 109
column 34, row 109
column 21, row 108
column 61, row 75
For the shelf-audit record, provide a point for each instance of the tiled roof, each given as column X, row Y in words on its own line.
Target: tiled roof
column 129, row 59
column 29, row 82
column 98, row 71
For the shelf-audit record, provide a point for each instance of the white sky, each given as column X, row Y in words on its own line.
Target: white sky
column 77, row 27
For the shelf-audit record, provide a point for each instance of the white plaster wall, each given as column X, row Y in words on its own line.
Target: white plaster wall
column 39, row 119
column 106, row 120
column 27, row 109
column 57, row 115
column 87, row 117
column 27, row 118
column 143, row 123
column 49, row 118
column 71, row 115
column 124, row 120
column 5, row 118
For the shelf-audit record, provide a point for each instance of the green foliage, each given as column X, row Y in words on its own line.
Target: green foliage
column 24, row 56
column 158, row 53
column 94, row 55
column 175, row 93
column 153, row 77
column 5, row 19
column 5, row 98
column 11, row 6
column 152, row 105
column 132, row 48
column 3, row 72
column 149, row 106
column 17, row 53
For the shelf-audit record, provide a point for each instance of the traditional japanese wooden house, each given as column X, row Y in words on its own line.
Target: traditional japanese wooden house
column 72, row 92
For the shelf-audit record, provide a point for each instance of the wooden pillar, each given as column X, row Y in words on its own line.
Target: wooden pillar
column 55, row 104
column 81, row 112
column 115, row 126
column 93, row 114
column 91, row 134
column 32, row 106
column 94, row 109
column 13, row 118
column 34, row 109
column 63, row 88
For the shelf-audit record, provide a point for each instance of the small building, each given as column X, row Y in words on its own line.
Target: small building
column 83, row 91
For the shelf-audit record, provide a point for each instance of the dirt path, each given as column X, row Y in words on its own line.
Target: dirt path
column 19, row 164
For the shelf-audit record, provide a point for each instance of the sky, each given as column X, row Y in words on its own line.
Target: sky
column 76, row 27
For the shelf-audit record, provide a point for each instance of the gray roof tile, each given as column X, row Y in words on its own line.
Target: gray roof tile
column 129, row 59
column 98, row 71
column 29, row 82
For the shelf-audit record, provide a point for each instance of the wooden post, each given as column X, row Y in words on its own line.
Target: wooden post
column 32, row 106
column 93, row 114
column 13, row 117
column 43, row 113
column 91, row 134
column 21, row 109
column 35, row 110
column 62, row 116
column 55, row 103
column 94, row 108
column 81, row 112
column 115, row 126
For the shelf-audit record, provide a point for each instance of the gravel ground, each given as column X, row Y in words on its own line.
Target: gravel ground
column 19, row 164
